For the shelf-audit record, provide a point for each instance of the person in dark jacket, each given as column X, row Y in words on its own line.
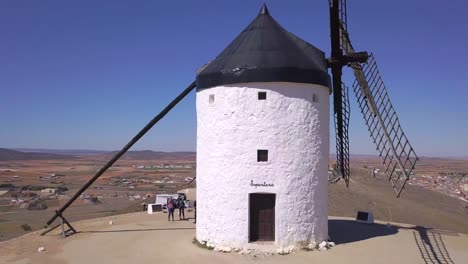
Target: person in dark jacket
column 181, row 206
column 195, row 207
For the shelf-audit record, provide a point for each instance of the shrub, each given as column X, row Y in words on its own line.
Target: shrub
column 26, row 227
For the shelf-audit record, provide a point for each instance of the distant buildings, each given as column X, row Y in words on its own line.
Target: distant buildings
column 164, row 166
column 188, row 179
column 453, row 185
column 49, row 190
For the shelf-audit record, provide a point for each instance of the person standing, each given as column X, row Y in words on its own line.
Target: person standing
column 170, row 209
column 195, row 207
column 181, row 205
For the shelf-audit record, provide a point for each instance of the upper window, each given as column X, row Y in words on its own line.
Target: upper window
column 261, row 95
column 314, row 98
column 211, row 99
column 262, row 155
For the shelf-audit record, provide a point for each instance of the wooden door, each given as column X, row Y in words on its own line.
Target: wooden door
column 262, row 217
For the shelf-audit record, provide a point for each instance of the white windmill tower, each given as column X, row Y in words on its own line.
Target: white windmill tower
column 263, row 140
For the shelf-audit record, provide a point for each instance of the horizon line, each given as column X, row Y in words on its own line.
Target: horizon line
column 97, row 150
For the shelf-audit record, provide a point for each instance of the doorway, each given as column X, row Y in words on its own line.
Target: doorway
column 262, row 217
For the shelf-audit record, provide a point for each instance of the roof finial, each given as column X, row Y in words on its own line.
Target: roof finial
column 264, row 10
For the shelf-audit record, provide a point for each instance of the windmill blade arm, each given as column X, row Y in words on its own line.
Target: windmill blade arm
column 343, row 17
column 124, row 149
column 343, row 25
column 341, row 118
column 341, row 113
column 399, row 157
column 191, row 181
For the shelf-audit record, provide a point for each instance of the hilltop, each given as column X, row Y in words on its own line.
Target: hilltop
column 9, row 154
column 153, row 155
column 54, row 154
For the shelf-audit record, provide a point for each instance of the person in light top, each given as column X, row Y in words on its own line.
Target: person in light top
column 170, row 209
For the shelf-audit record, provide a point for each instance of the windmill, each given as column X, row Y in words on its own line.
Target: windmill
column 380, row 117
column 292, row 80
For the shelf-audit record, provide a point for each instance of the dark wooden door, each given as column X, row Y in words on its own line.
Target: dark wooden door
column 262, row 217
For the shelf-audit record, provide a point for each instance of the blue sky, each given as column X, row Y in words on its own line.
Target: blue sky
column 90, row 74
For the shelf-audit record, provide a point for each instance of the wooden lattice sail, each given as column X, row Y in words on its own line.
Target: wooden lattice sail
column 399, row 157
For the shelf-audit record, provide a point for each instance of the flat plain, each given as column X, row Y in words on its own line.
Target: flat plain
column 139, row 176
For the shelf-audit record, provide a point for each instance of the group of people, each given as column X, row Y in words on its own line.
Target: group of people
column 179, row 203
column 173, row 204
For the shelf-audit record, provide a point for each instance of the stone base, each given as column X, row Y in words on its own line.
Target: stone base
column 268, row 247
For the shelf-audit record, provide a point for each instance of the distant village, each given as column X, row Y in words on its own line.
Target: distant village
column 134, row 186
column 452, row 184
column 132, row 181
column 164, row 166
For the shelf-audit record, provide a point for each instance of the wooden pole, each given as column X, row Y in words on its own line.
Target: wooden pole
column 124, row 149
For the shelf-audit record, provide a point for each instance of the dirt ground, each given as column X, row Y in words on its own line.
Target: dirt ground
column 72, row 174
column 12, row 220
column 143, row 238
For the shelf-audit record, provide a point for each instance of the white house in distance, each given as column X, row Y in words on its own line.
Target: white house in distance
column 49, row 190
column 263, row 141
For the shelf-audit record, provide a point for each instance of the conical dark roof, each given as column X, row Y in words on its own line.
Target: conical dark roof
column 266, row 52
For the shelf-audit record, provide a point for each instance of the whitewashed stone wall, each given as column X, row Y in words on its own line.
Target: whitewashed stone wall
column 294, row 130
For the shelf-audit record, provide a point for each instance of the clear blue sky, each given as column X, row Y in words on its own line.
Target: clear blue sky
column 89, row 74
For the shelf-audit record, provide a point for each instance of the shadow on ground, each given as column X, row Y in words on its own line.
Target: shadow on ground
column 348, row 231
column 431, row 246
column 429, row 241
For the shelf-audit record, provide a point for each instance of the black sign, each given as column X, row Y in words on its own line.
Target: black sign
column 362, row 216
column 262, row 184
column 156, row 207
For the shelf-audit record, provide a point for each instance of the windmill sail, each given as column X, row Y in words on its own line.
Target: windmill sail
column 382, row 122
column 399, row 157
column 342, row 15
column 342, row 139
column 340, row 98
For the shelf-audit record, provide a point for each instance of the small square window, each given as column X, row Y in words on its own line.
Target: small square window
column 261, row 95
column 262, row 155
column 314, row 98
column 211, row 98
